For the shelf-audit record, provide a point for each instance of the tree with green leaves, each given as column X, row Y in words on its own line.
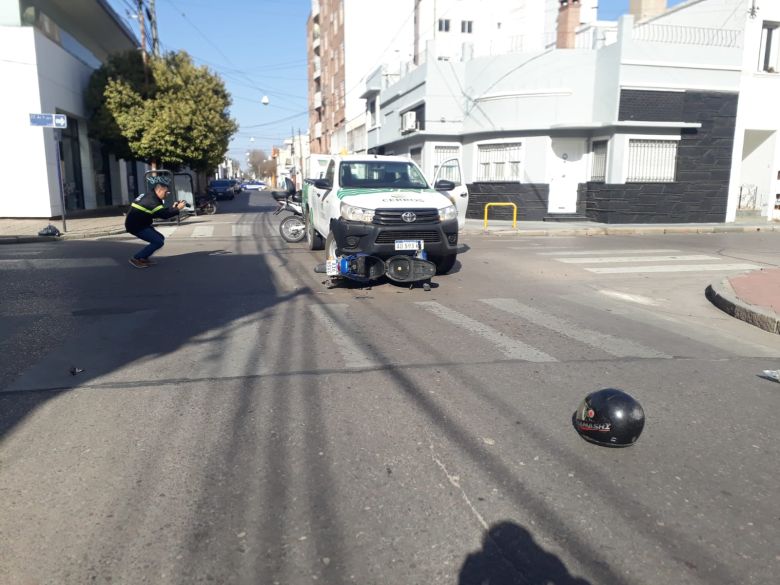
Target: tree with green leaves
column 172, row 113
column 260, row 164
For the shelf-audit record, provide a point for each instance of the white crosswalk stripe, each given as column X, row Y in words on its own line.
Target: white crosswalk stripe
column 56, row 263
column 650, row 261
column 167, row 230
column 626, row 259
column 203, row 231
column 511, row 348
column 607, row 343
column 596, row 252
column 242, row 230
column 671, row 268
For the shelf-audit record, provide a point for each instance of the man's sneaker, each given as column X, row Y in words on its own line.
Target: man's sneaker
column 147, row 261
column 138, row 263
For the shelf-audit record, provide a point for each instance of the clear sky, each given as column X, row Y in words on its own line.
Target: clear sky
column 258, row 47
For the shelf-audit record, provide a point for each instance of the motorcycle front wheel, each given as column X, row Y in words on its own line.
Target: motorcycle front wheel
column 209, row 208
column 292, row 229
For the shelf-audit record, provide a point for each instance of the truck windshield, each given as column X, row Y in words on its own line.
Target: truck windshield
column 380, row 174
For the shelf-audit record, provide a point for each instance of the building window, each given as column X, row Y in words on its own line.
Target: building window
column 442, row 154
column 769, row 58
column 444, row 25
column 651, row 161
column 466, row 26
column 598, row 171
column 499, row 162
column 372, row 119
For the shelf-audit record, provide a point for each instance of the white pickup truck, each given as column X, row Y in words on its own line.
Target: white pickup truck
column 383, row 206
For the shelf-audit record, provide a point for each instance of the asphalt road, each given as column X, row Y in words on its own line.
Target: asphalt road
column 237, row 422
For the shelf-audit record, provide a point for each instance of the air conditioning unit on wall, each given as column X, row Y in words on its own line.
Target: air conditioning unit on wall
column 409, row 122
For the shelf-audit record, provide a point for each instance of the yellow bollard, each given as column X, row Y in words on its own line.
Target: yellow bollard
column 514, row 214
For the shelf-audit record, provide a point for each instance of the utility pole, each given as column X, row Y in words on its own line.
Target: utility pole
column 142, row 26
column 153, row 25
column 300, row 156
column 292, row 156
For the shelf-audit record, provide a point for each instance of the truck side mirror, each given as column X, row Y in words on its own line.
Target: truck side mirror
column 322, row 184
column 444, row 185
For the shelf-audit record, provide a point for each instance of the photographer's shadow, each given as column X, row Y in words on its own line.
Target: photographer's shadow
column 510, row 556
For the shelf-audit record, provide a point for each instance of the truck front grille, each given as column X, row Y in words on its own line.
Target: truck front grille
column 393, row 216
column 390, row 236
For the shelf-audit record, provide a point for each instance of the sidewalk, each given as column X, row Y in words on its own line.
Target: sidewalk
column 21, row 231
column 753, row 297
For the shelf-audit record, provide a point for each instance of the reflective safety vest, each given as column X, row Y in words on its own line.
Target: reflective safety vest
column 145, row 210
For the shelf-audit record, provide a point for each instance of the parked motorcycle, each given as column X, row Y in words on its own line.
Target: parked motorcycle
column 205, row 204
column 292, row 228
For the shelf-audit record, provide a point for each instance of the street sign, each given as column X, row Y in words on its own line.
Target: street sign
column 49, row 120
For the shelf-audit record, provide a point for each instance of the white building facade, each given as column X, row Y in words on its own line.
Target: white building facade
column 670, row 119
column 48, row 51
column 393, row 37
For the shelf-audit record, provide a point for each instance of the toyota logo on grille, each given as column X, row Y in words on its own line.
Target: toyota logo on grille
column 408, row 217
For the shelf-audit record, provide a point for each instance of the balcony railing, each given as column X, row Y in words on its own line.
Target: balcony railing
column 315, row 8
column 688, row 35
column 318, row 130
column 318, row 99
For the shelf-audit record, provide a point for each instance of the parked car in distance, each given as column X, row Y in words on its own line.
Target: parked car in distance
column 254, row 185
column 236, row 185
column 222, row 189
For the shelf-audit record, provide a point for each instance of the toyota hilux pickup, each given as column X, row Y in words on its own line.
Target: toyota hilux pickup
column 382, row 206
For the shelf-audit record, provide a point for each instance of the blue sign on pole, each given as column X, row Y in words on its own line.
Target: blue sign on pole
column 49, row 120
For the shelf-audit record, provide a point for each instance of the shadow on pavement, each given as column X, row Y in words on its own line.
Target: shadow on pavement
column 509, row 556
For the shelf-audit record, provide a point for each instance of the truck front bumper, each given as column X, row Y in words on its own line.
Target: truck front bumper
column 441, row 239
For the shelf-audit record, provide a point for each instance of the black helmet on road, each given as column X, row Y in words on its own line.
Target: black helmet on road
column 609, row 417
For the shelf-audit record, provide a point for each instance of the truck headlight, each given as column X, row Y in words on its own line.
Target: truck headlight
column 449, row 212
column 354, row 213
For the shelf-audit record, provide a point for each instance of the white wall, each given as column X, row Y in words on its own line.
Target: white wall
column 721, row 14
column 757, row 165
column 375, row 33
column 46, row 79
column 757, row 110
column 23, row 162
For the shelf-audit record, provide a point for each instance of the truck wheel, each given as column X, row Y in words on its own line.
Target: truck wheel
column 331, row 252
column 444, row 263
column 313, row 239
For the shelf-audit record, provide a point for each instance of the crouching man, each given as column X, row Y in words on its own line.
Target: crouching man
column 142, row 212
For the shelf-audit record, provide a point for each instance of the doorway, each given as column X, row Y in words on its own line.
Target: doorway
column 567, row 171
column 70, row 164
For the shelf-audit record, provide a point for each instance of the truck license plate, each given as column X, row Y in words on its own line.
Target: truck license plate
column 409, row 245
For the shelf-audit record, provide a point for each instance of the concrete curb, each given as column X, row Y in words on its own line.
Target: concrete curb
column 722, row 295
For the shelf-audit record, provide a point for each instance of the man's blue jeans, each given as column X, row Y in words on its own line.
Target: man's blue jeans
column 155, row 239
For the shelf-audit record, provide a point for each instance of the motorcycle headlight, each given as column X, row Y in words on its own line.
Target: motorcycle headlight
column 354, row 213
column 447, row 213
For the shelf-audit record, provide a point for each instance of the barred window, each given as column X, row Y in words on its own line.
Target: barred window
column 499, row 162
column 598, row 170
column 651, row 161
column 442, row 154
